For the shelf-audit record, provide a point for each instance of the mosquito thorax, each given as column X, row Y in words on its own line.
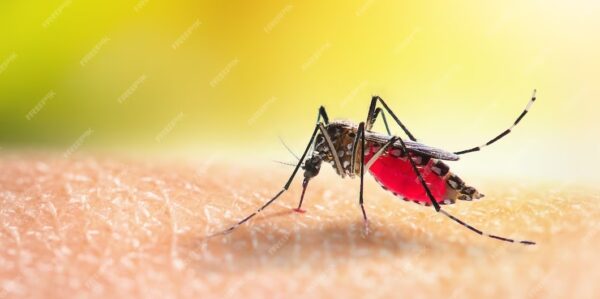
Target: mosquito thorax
column 342, row 135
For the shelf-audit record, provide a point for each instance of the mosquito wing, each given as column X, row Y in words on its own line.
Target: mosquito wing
column 413, row 146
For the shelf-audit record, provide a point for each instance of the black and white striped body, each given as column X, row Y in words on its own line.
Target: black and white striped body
column 342, row 134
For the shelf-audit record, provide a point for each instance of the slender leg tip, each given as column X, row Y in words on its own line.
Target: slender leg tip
column 298, row 210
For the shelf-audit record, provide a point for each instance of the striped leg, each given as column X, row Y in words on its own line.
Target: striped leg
column 361, row 134
column 477, row 148
column 438, row 209
column 336, row 158
column 372, row 115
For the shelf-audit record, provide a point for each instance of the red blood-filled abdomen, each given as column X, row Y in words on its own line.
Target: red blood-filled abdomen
column 396, row 175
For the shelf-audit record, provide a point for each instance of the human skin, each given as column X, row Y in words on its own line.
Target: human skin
column 95, row 226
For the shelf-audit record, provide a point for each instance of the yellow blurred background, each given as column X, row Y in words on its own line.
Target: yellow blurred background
column 225, row 78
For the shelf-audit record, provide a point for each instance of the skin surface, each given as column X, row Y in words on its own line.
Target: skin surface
column 96, row 227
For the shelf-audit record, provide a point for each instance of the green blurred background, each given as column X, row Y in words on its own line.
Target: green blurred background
column 228, row 77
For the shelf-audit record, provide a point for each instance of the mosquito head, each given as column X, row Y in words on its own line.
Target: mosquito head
column 312, row 166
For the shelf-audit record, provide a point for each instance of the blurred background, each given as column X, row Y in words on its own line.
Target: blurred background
column 223, row 79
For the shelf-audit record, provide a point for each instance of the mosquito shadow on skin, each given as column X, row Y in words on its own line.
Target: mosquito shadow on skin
column 266, row 246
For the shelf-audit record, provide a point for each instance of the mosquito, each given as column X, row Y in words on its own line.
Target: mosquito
column 408, row 169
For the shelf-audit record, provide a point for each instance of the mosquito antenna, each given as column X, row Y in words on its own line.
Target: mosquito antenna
column 288, row 148
column 285, row 163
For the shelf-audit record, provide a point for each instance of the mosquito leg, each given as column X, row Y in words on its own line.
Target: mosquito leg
column 336, row 157
column 285, row 187
column 377, row 112
column 354, row 151
column 457, row 220
column 477, row 148
column 380, row 152
column 361, row 132
column 323, row 114
column 375, row 156
column 336, row 161
column 371, row 116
